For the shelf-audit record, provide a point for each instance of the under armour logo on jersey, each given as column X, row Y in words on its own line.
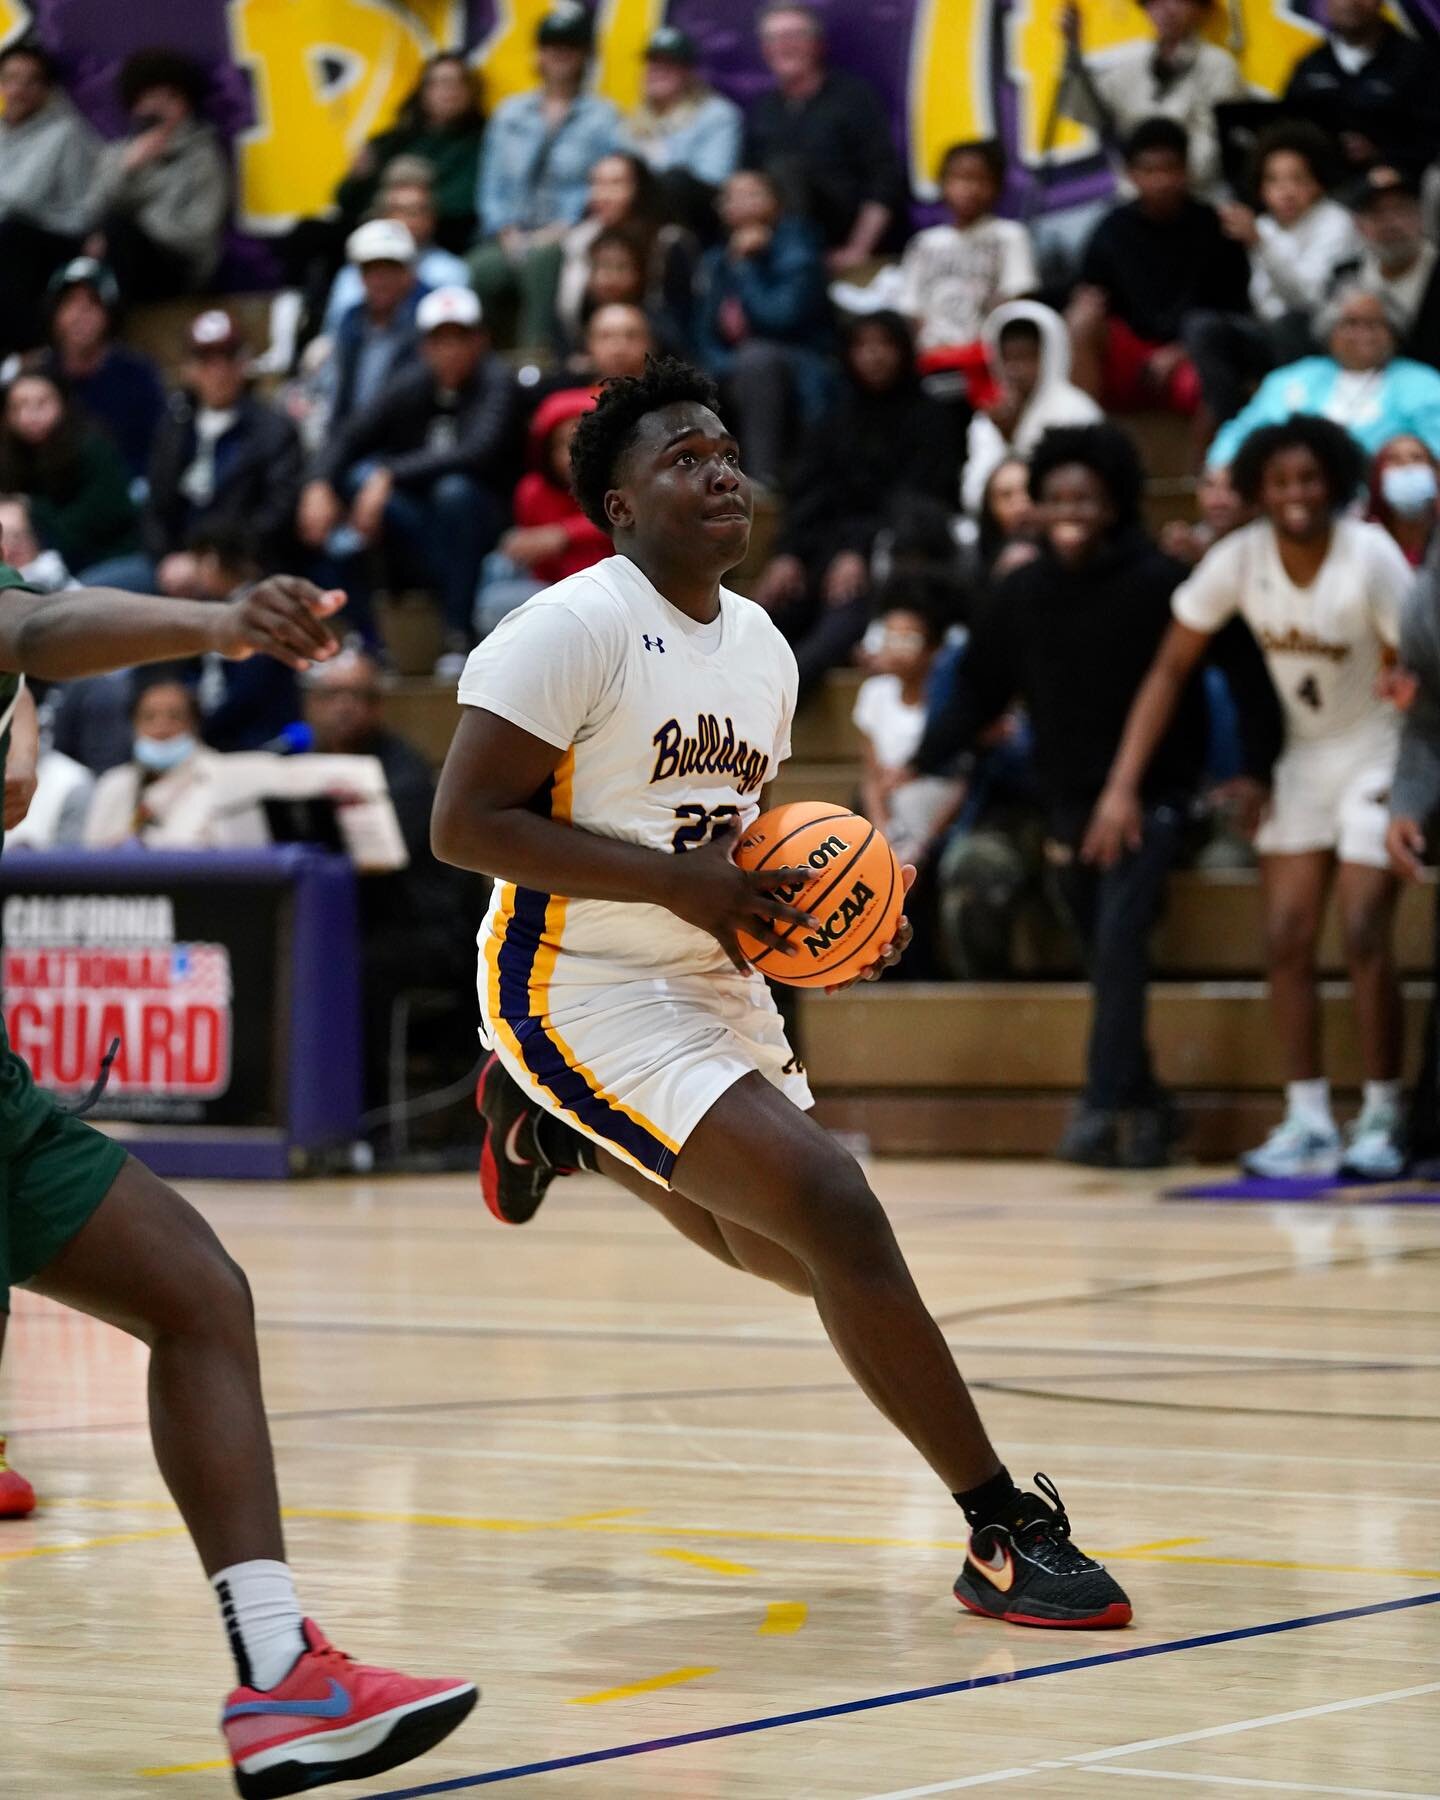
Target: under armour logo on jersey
column 654, row 643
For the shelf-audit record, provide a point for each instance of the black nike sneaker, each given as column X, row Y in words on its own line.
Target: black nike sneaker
column 515, row 1172
column 1026, row 1571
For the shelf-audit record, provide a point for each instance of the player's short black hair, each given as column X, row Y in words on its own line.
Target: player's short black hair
column 1105, row 450
column 989, row 151
column 604, row 435
column 1339, row 456
column 160, row 67
column 1315, row 148
column 1157, row 134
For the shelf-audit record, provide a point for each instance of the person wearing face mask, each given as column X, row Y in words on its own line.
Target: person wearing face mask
column 159, row 798
column 1405, row 495
column 1071, row 635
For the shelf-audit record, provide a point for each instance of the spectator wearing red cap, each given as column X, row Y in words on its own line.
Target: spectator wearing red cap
column 222, row 458
column 158, row 205
column 417, row 475
column 551, row 537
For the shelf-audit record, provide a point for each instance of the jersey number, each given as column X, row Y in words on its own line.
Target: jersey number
column 700, row 825
column 1309, row 692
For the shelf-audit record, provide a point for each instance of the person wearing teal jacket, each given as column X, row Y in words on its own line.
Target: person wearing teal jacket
column 1361, row 384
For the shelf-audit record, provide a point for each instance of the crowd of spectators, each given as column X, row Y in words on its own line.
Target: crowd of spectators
column 919, row 392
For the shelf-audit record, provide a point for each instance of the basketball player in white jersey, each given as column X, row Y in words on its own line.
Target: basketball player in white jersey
column 1322, row 594
column 615, row 735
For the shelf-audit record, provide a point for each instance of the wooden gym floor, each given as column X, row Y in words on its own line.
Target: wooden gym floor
column 633, row 1494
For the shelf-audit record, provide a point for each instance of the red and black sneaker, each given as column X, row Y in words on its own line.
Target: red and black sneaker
column 515, row 1172
column 1026, row 1571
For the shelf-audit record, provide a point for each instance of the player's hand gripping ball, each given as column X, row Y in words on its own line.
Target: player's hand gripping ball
column 855, row 889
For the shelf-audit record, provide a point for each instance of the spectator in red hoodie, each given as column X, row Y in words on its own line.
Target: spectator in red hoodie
column 551, row 537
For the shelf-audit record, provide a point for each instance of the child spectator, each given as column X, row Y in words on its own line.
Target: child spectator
column 1151, row 268
column 623, row 196
column 1323, row 592
column 1181, row 76
column 1072, row 634
column 222, row 457
column 551, row 537
column 160, row 196
column 48, row 154
column 955, row 275
column 1405, row 494
column 890, row 712
column 1029, row 349
column 74, row 479
column 763, row 320
column 881, row 443
column 1298, row 243
column 118, row 387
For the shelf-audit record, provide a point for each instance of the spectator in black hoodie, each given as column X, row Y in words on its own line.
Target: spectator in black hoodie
column 1155, row 269
column 1371, row 87
column 883, row 443
column 1071, row 635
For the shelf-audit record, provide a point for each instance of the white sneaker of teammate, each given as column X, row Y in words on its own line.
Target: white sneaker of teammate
column 1373, row 1149
column 1297, row 1147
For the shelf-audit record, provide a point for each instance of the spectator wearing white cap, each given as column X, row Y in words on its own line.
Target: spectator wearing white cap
column 406, row 194
column 417, row 474
column 376, row 337
column 222, row 458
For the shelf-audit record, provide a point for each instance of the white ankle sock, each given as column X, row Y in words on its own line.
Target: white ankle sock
column 262, row 1620
column 1381, row 1094
column 1310, row 1101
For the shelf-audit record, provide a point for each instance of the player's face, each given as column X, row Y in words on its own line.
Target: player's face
column 684, row 489
column 1075, row 511
column 1294, row 495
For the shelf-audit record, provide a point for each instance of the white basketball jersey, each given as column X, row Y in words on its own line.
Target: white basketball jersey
column 1324, row 643
column 669, row 728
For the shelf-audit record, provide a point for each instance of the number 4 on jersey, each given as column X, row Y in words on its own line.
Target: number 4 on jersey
column 1309, row 692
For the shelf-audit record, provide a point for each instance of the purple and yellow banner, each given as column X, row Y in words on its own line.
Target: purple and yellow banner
column 301, row 84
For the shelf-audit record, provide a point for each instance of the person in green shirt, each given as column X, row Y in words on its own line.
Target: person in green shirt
column 86, row 1224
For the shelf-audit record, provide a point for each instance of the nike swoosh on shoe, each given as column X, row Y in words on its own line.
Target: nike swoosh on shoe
column 511, row 1155
column 335, row 1705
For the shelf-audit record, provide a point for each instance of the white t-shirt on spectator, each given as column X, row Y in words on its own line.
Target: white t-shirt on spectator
column 892, row 724
column 954, row 277
column 1293, row 266
column 1324, row 644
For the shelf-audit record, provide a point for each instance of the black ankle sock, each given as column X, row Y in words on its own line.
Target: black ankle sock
column 562, row 1146
column 985, row 1504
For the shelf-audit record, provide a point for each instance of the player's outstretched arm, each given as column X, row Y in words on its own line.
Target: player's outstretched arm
column 485, row 820
column 57, row 637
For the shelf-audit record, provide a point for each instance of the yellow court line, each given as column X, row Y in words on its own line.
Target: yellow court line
column 1159, row 1544
column 783, row 1618
column 94, row 1543
column 714, row 1564
column 220, row 1762
column 672, row 1678
column 739, row 1534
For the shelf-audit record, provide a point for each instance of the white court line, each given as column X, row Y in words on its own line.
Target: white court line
column 1110, row 1451
column 1276, row 1787
column 1139, row 1747
column 709, row 1466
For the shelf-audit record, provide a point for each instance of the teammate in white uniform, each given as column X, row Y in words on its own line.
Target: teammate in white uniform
column 615, row 732
column 1322, row 594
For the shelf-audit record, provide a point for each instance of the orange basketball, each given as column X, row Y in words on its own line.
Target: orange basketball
column 855, row 891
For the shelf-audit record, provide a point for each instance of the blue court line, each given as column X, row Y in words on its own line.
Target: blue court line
column 874, row 1701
